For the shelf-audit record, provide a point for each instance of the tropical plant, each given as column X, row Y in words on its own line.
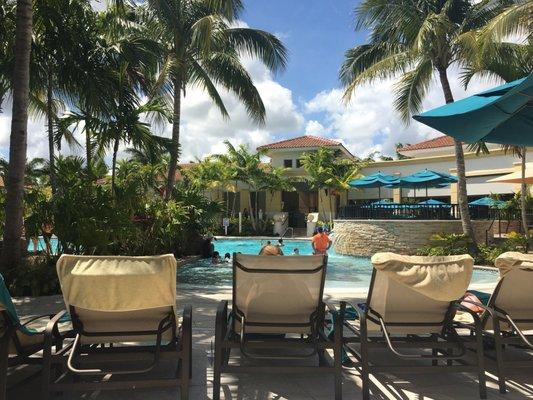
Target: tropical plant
column 246, row 167
column 329, row 172
column 201, row 45
column 415, row 40
column 20, row 86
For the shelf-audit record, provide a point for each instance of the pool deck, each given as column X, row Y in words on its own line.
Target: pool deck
column 273, row 387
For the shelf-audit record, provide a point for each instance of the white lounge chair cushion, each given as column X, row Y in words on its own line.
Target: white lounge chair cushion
column 117, row 283
column 439, row 278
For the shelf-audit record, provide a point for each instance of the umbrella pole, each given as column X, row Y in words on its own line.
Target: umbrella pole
column 379, row 192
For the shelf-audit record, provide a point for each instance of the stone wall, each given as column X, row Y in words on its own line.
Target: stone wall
column 366, row 237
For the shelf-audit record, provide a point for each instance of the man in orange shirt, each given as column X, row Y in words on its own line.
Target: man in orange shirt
column 321, row 242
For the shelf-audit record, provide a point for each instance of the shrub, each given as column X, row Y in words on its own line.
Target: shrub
column 455, row 244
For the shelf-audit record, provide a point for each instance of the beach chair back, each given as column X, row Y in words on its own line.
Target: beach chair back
column 110, row 295
column 513, row 294
column 277, row 294
column 412, row 294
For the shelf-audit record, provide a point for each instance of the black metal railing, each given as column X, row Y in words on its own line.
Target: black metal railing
column 427, row 211
column 399, row 211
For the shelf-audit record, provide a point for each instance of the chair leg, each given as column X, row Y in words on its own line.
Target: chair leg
column 499, row 357
column 364, row 363
column 337, row 355
column 4, row 358
column 481, row 362
column 220, row 355
column 46, row 369
column 186, row 364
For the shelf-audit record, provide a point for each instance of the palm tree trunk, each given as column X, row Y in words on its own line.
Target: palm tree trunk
column 12, row 249
column 175, row 138
column 50, row 126
column 462, row 195
column 252, row 219
column 234, row 200
column 523, row 192
column 114, row 164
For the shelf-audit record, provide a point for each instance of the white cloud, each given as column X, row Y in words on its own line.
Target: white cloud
column 369, row 122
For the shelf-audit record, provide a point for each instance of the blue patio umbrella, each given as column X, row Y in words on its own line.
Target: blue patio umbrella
column 503, row 115
column 433, row 202
column 487, row 201
column 376, row 180
column 425, row 179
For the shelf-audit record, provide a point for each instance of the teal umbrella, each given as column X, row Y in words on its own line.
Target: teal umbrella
column 487, row 201
column 376, row 180
column 433, row 202
column 503, row 115
column 425, row 179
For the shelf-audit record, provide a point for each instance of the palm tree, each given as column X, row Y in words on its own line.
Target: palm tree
column 7, row 29
column 506, row 61
column 417, row 40
column 11, row 255
column 201, row 46
column 327, row 172
column 62, row 29
column 246, row 167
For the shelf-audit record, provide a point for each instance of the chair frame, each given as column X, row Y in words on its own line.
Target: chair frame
column 442, row 345
column 179, row 349
column 27, row 355
column 226, row 338
column 513, row 336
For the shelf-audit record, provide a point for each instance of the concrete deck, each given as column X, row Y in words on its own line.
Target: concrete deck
column 274, row 387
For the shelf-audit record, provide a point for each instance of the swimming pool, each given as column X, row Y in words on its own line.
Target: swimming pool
column 343, row 271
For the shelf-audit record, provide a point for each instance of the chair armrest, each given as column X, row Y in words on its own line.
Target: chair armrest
column 28, row 320
column 361, row 314
column 477, row 320
column 52, row 328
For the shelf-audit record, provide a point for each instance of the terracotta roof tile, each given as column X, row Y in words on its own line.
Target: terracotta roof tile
column 441, row 141
column 299, row 142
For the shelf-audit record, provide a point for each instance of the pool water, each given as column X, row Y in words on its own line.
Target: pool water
column 41, row 245
column 342, row 271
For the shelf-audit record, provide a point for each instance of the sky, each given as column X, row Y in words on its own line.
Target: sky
column 305, row 98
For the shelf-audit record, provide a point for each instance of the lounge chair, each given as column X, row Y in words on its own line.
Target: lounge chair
column 125, row 323
column 20, row 344
column 277, row 305
column 410, row 305
column 508, row 317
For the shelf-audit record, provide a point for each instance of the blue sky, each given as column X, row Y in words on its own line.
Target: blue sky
column 304, row 99
column 316, row 32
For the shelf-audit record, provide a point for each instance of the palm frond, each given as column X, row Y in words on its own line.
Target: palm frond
column 411, row 89
column 260, row 44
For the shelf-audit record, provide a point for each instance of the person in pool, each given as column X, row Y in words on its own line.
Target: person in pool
column 296, row 251
column 227, row 258
column 216, row 258
column 321, row 242
column 270, row 250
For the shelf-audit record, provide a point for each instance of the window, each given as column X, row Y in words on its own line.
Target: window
column 287, row 163
column 299, row 163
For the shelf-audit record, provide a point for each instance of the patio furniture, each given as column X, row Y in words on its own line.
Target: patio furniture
column 123, row 311
column 20, row 344
column 498, row 115
column 508, row 316
column 277, row 315
column 409, row 311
